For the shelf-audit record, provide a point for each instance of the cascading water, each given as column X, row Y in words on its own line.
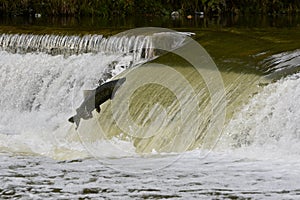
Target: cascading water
column 141, row 46
column 268, row 126
column 43, row 76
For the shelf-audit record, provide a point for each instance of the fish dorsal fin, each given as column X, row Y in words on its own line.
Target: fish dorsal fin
column 87, row 93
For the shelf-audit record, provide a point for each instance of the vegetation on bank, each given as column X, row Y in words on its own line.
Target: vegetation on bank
column 108, row 8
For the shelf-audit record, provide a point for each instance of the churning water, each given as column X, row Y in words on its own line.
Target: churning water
column 43, row 156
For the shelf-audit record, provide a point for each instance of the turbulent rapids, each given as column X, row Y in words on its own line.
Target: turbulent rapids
column 42, row 79
column 159, row 109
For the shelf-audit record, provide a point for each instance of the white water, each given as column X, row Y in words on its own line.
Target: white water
column 40, row 91
column 140, row 46
column 269, row 126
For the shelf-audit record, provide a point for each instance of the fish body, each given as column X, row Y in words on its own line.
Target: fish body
column 94, row 98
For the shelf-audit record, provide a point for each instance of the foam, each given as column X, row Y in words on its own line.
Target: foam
column 268, row 126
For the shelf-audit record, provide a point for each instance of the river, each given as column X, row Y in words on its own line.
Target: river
column 209, row 109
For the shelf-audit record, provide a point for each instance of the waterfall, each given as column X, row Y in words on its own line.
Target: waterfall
column 141, row 46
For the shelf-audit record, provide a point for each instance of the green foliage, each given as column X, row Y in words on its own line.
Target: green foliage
column 107, row 8
column 265, row 6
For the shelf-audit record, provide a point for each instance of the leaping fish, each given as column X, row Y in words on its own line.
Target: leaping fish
column 94, row 98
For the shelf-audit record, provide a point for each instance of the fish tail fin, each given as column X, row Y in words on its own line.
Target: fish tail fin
column 71, row 119
column 75, row 119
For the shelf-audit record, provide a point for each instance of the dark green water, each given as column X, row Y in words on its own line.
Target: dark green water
column 88, row 24
column 166, row 21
